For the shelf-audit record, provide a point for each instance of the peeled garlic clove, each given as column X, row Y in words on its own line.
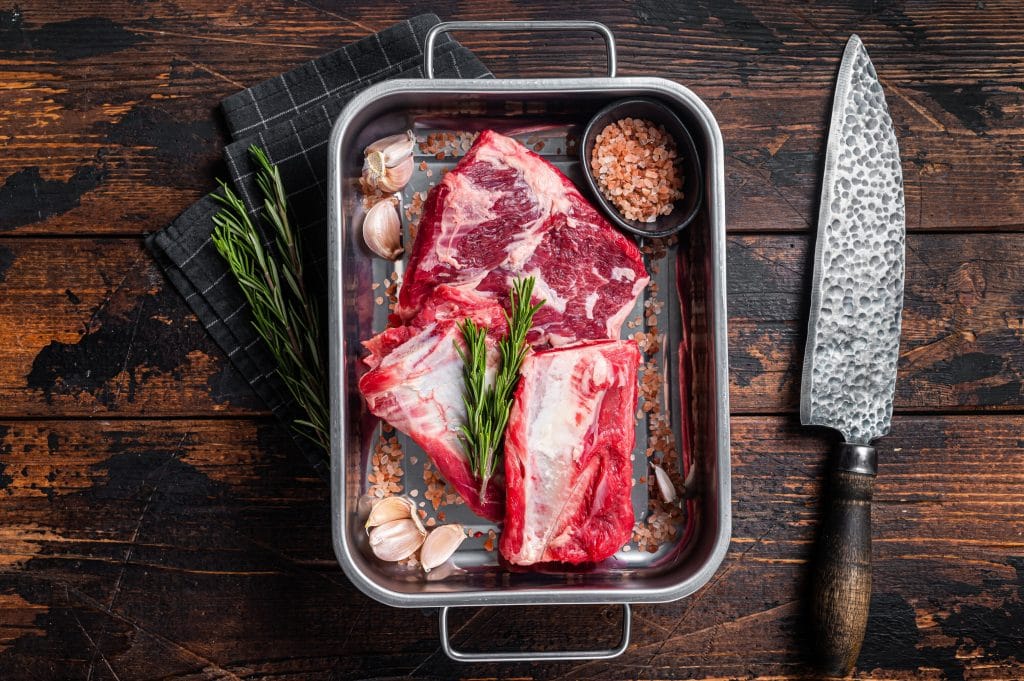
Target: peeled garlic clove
column 396, row 540
column 382, row 229
column 440, row 544
column 388, row 509
column 388, row 163
column 665, row 486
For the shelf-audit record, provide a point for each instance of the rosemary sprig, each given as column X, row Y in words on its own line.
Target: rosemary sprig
column 284, row 314
column 487, row 407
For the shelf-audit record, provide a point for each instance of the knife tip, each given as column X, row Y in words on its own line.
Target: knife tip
column 854, row 47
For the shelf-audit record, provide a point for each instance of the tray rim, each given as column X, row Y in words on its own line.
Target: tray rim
column 635, row 592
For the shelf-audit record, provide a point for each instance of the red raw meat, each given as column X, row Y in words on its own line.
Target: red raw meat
column 567, row 468
column 504, row 213
column 415, row 384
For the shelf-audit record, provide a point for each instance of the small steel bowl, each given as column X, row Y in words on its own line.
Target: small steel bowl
column 648, row 109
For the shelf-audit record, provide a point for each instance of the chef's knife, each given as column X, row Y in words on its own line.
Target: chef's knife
column 853, row 339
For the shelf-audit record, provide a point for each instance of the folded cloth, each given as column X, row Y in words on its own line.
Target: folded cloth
column 290, row 118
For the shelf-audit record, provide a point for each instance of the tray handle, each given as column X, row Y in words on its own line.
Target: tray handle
column 538, row 656
column 445, row 26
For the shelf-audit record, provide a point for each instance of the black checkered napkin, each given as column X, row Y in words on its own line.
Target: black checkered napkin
column 299, row 147
column 342, row 72
column 289, row 117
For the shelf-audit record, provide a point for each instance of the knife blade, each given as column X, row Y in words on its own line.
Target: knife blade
column 853, row 337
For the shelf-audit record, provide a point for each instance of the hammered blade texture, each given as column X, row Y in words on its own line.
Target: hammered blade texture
column 857, row 293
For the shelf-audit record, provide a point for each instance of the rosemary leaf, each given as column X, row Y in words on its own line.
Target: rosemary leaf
column 488, row 407
column 285, row 316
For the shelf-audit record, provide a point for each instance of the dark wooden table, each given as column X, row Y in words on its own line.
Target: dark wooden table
column 156, row 523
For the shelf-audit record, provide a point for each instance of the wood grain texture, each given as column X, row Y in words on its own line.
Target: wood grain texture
column 154, row 523
column 963, row 322
column 200, row 550
column 109, row 123
column 92, row 327
column 104, row 333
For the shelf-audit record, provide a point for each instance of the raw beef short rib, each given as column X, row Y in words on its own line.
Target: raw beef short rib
column 415, row 384
column 567, row 447
column 504, row 213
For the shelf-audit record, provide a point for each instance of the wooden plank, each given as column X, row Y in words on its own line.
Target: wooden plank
column 200, row 549
column 104, row 333
column 113, row 128
column 191, row 549
column 962, row 323
column 91, row 327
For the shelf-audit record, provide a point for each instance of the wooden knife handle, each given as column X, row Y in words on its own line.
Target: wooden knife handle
column 841, row 583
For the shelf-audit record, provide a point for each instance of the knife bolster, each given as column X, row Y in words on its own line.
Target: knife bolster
column 861, row 459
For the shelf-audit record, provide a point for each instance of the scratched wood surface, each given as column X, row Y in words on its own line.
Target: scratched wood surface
column 156, row 523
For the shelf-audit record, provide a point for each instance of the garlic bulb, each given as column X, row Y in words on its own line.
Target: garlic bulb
column 665, row 486
column 382, row 229
column 388, row 163
column 396, row 540
column 388, row 509
column 440, row 544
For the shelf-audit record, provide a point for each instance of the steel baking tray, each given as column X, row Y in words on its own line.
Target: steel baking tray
column 547, row 114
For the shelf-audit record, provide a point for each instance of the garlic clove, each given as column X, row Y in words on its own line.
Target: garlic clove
column 665, row 486
column 388, row 509
column 442, row 572
column 392, row 149
column 388, row 163
column 382, row 229
column 393, row 179
column 364, row 505
column 396, row 540
column 415, row 515
column 440, row 545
